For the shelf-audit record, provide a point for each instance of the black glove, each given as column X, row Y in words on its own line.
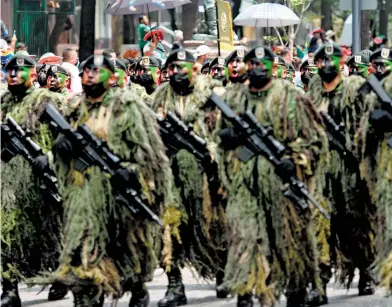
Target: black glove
column 230, row 139
column 124, row 179
column 381, row 120
column 285, row 169
column 41, row 164
column 63, row 148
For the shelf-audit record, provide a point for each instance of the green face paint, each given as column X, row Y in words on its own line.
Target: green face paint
column 103, row 76
column 280, row 72
column 268, row 65
column 62, row 78
column 364, row 70
column 121, row 75
column 153, row 70
column 188, row 66
column 24, row 74
column 336, row 61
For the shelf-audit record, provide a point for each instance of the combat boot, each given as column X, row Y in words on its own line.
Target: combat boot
column 316, row 298
column 140, row 296
column 211, row 21
column 175, row 295
column 87, row 297
column 245, row 300
column 297, row 298
column 57, row 291
column 221, row 291
column 10, row 296
column 366, row 283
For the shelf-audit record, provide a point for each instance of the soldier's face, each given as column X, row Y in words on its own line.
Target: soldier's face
column 381, row 68
column 21, row 75
column 122, row 80
column 236, row 68
column 94, row 75
column 217, row 71
column 63, row 80
column 182, row 67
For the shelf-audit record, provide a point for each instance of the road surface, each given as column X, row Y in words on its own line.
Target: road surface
column 201, row 293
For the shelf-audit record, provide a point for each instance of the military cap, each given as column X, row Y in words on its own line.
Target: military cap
column 366, row 52
column 81, row 67
column 220, row 61
column 238, row 53
column 205, row 66
column 129, row 63
column 358, row 58
column 99, row 60
column 180, row 55
column 309, row 62
column 261, row 53
column 147, row 62
column 290, row 67
column 120, row 65
column 383, row 54
column 61, row 69
column 327, row 50
column 20, row 61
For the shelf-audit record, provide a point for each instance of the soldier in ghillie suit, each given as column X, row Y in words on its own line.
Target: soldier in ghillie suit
column 271, row 242
column 106, row 248
column 375, row 149
column 202, row 231
column 308, row 70
column 148, row 73
column 30, row 227
column 352, row 224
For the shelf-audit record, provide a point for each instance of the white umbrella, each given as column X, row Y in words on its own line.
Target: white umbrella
column 267, row 15
column 347, row 34
column 127, row 7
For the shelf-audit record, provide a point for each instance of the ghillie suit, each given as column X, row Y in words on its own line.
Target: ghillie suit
column 376, row 157
column 106, row 248
column 202, row 232
column 31, row 221
column 272, row 247
column 352, row 224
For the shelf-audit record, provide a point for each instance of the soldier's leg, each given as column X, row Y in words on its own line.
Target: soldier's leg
column 175, row 294
column 87, row 296
column 10, row 296
column 140, row 295
column 57, row 291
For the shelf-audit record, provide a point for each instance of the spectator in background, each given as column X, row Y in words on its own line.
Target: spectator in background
column 179, row 39
column 316, row 40
column 297, row 66
column 154, row 47
column 286, row 55
column 202, row 54
column 50, row 58
column 20, row 46
column 109, row 53
column 142, row 29
column 70, row 63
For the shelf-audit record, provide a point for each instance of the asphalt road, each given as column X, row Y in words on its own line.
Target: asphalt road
column 201, row 293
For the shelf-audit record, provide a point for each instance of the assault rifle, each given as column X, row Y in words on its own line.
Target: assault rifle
column 89, row 151
column 259, row 140
column 15, row 141
column 176, row 135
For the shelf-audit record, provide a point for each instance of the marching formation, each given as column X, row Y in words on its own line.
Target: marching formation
column 225, row 166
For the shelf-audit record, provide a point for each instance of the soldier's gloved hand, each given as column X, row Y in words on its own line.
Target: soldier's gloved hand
column 124, row 179
column 381, row 120
column 285, row 170
column 63, row 148
column 230, row 139
column 41, row 164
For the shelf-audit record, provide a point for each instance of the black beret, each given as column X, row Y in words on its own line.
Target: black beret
column 20, row 61
column 220, row 61
column 120, row 65
column 205, row 66
column 326, row 50
column 129, row 63
column 238, row 53
column 366, row 52
column 180, row 55
column 357, row 58
column 99, row 60
column 61, row 69
column 147, row 62
column 290, row 67
column 261, row 53
column 383, row 54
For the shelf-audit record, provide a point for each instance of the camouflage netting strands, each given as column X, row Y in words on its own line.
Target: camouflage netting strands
column 353, row 212
column 104, row 244
column 272, row 247
column 377, row 167
column 202, row 230
column 30, row 222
